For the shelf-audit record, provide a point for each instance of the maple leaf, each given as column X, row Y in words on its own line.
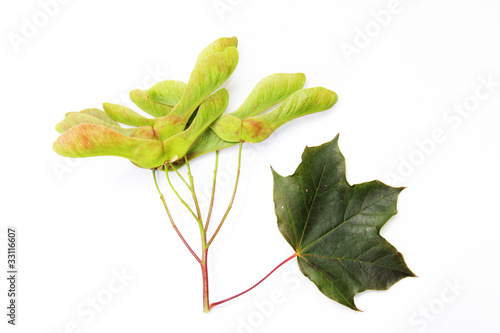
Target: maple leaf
column 334, row 227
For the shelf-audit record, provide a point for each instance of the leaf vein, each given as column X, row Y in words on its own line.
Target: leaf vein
column 322, row 271
column 312, row 204
column 344, row 222
column 360, row 261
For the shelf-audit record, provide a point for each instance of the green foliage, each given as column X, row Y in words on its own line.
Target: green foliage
column 334, row 227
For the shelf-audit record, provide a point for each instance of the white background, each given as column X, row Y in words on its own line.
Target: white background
column 82, row 221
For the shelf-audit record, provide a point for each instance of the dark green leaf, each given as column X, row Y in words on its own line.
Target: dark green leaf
column 334, row 227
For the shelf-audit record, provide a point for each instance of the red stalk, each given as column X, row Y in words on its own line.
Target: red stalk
column 255, row 285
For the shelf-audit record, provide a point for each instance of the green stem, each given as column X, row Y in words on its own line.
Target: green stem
column 203, row 229
column 193, row 191
column 232, row 198
column 172, row 220
column 180, row 198
column 213, row 191
column 178, row 174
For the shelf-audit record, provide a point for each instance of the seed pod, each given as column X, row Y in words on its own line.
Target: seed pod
column 87, row 140
column 78, row 118
column 168, row 92
column 217, row 46
column 301, row 103
column 189, row 119
column 207, row 76
column 245, row 124
column 99, row 114
column 178, row 145
column 142, row 100
column 126, row 116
